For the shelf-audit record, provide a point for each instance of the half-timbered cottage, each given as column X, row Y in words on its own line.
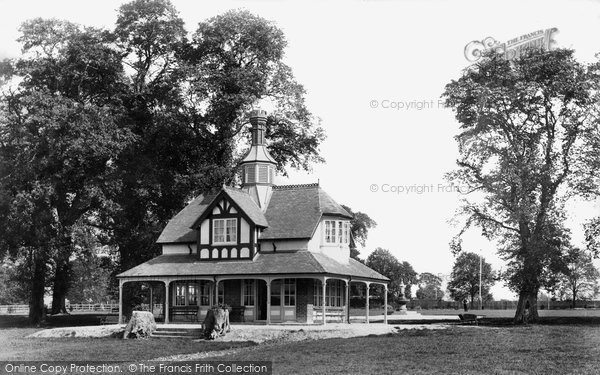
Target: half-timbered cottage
column 272, row 253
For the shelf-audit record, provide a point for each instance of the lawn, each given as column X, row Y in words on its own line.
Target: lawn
column 567, row 341
column 540, row 349
column 14, row 345
column 587, row 314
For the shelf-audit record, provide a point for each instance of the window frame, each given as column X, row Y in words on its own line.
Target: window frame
column 330, row 231
column 248, row 292
column 336, row 232
column 187, row 294
column 225, row 228
column 334, row 294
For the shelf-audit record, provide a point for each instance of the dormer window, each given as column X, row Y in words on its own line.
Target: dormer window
column 224, row 231
column 337, row 232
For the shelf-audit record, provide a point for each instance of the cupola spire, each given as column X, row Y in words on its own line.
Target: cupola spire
column 258, row 166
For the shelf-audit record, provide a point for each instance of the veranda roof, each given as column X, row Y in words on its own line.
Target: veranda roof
column 289, row 263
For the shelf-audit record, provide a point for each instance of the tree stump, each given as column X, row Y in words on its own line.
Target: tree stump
column 216, row 322
column 141, row 324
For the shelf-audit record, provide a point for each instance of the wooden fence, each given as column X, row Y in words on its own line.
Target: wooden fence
column 105, row 307
column 14, row 309
column 74, row 307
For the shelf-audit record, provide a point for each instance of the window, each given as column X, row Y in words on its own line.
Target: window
column 333, row 294
column 250, row 173
column 186, row 294
column 346, row 232
column 263, row 174
column 289, row 292
column 248, row 293
column 224, row 231
column 276, row 293
column 221, row 293
column 318, row 294
column 337, row 232
column 205, row 293
column 180, row 295
column 192, row 294
column 329, row 231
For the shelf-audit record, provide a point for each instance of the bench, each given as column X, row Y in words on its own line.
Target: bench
column 109, row 318
column 471, row 318
column 190, row 312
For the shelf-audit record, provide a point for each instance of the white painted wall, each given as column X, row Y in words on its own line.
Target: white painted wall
column 177, row 248
column 204, row 232
column 245, row 231
column 267, row 245
column 339, row 252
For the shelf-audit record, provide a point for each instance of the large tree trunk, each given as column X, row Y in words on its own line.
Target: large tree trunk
column 62, row 274
column 526, row 308
column 38, row 281
column 60, row 287
column 61, row 284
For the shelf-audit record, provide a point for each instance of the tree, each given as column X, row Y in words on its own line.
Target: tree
column 360, row 225
column 384, row 262
column 58, row 138
column 464, row 282
column 579, row 276
column 430, row 287
column 186, row 105
column 118, row 130
column 14, row 290
column 91, row 278
column 91, row 267
column 528, row 132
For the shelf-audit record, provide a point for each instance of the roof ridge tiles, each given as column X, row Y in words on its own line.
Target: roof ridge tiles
column 295, row 186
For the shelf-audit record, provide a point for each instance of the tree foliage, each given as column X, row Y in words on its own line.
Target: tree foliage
column 464, row 282
column 430, row 287
column 360, row 225
column 384, row 262
column 578, row 277
column 118, row 129
column 15, row 290
column 527, row 144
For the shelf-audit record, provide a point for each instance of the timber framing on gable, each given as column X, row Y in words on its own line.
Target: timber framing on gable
column 224, row 207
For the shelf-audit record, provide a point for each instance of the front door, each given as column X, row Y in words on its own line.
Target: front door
column 283, row 300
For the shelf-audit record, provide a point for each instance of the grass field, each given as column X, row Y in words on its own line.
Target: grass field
column 15, row 346
column 460, row 349
column 566, row 342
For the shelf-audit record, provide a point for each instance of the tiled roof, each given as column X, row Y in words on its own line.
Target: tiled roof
column 248, row 205
column 258, row 153
column 299, row 262
column 179, row 229
column 294, row 211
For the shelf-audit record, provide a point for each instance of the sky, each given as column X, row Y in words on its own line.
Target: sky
column 374, row 72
